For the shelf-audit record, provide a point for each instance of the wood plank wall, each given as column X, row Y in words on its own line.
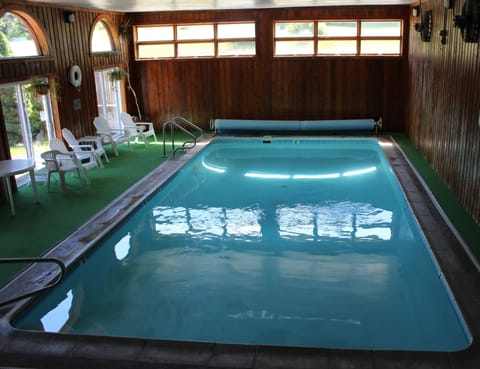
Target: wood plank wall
column 69, row 44
column 264, row 87
column 444, row 108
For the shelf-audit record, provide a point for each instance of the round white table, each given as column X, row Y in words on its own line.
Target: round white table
column 12, row 167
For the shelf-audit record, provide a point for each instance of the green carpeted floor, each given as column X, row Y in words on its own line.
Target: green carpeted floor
column 38, row 227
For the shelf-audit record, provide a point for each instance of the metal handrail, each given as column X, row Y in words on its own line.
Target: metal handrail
column 34, row 260
column 174, row 124
column 187, row 122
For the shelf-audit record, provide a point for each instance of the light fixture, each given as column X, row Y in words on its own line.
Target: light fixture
column 69, row 16
column 416, row 11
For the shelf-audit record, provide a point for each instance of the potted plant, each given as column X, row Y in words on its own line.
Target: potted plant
column 116, row 74
column 124, row 29
column 40, row 86
column 119, row 74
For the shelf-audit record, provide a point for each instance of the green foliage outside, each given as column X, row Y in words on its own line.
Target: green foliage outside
column 8, row 99
column 5, row 49
column 295, row 28
column 11, row 27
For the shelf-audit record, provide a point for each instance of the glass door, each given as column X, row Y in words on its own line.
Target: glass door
column 29, row 122
column 109, row 98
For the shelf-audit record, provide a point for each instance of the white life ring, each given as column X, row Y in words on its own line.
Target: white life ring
column 75, row 76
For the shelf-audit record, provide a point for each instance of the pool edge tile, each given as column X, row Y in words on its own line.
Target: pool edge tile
column 411, row 360
column 63, row 351
column 233, row 356
column 347, row 359
column 182, row 353
column 273, row 357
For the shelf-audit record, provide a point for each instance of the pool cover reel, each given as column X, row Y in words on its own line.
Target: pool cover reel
column 225, row 126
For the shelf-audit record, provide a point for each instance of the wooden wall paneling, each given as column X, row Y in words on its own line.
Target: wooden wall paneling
column 238, row 82
column 170, row 88
column 151, row 104
column 280, row 85
column 68, row 44
column 222, row 86
column 312, row 96
column 262, row 72
column 395, row 96
column 144, row 99
column 296, row 94
column 263, row 87
column 444, row 106
column 191, row 89
column 213, row 93
column 183, row 89
column 338, row 90
column 279, row 88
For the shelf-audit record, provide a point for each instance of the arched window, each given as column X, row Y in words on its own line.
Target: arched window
column 17, row 38
column 103, row 39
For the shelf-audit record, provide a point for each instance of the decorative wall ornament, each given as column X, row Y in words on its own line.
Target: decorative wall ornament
column 75, row 76
column 425, row 27
column 469, row 21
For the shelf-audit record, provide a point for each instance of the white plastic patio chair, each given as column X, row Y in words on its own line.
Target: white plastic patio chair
column 85, row 158
column 137, row 129
column 61, row 163
column 111, row 136
column 85, row 145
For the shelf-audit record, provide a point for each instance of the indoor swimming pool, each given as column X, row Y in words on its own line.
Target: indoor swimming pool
column 277, row 241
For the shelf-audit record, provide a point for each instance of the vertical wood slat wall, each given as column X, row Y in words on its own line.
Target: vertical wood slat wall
column 440, row 82
column 69, row 44
column 444, row 108
column 265, row 87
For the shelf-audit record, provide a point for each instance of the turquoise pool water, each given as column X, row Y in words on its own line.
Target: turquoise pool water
column 273, row 241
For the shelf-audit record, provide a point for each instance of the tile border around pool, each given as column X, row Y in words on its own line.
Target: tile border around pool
column 49, row 350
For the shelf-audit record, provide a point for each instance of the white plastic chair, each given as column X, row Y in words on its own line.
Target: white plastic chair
column 111, row 136
column 136, row 129
column 61, row 163
column 85, row 158
column 85, row 145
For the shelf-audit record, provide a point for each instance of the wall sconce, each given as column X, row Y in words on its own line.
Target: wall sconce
column 469, row 21
column 416, row 11
column 69, row 16
column 425, row 27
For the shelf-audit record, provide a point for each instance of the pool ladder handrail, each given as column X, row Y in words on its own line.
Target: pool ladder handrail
column 174, row 123
column 51, row 284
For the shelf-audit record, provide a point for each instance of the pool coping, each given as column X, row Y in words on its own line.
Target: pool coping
column 54, row 350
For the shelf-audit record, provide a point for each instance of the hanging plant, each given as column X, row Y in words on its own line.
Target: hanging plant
column 116, row 74
column 40, row 87
column 125, row 32
column 124, row 29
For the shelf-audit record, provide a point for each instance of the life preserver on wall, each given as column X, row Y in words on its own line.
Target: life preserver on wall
column 75, row 76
